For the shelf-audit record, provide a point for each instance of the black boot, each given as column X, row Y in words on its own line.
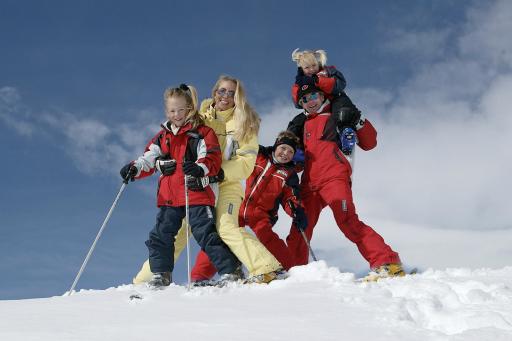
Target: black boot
column 160, row 279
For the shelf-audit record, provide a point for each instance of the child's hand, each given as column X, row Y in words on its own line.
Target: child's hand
column 128, row 172
column 302, row 79
column 300, row 220
column 193, row 169
column 166, row 167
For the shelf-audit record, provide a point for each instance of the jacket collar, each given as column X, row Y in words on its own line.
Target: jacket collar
column 168, row 127
column 223, row 115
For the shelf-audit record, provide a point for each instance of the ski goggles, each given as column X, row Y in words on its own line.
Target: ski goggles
column 309, row 97
column 224, row 92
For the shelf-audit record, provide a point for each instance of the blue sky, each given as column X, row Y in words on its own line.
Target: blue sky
column 80, row 93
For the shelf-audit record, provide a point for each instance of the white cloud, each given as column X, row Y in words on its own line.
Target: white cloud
column 92, row 145
column 487, row 34
column 437, row 187
column 10, row 102
column 420, row 45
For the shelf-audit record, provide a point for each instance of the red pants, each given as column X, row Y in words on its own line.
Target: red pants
column 262, row 227
column 337, row 194
column 203, row 268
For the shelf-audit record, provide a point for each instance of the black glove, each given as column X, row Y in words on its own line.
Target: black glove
column 301, row 79
column 193, row 169
column 197, row 184
column 348, row 117
column 217, row 178
column 128, row 172
column 166, row 167
column 300, row 220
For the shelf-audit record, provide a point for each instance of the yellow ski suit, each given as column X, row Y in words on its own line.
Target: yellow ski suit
column 238, row 162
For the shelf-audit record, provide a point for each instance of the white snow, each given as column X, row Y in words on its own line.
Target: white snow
column 316, row 302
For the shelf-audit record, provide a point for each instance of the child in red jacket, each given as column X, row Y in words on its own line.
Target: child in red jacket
column 312, row 69
column 273, row 182
column 185, row 147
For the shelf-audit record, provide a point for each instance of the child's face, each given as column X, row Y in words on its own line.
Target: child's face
column 225, row 95
column 176, row 110
column 283, row 153
column 310, row 68
column 312, row 102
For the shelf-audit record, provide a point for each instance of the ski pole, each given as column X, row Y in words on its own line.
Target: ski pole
column 84, row 264
column 292, row 206
column 188, row 238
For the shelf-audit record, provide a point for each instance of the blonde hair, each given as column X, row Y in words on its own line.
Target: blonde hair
column 247, row 120
column 308, row 56
column 189, row 93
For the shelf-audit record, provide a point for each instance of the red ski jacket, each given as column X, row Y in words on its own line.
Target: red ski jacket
column 269, row 185
column 330, row 81
column 324, row 160
column 186, row 144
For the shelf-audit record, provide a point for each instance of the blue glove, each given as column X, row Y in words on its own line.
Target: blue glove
column 193, row 169
column 300, row 220
column 299, row 156
column 302, row 79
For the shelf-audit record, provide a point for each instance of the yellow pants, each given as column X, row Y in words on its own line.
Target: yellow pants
column 246, row 247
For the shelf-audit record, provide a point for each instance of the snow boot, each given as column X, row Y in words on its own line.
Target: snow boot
column 160, row 279
column 265, row 278
column 235, row 276
column 385, row 271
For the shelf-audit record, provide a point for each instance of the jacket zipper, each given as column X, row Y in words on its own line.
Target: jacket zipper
column 267, row 166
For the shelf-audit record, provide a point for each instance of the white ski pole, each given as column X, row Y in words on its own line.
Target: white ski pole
column 84, row 264
column 188, row 238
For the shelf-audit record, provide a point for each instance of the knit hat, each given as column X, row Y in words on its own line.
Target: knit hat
column 286, row 140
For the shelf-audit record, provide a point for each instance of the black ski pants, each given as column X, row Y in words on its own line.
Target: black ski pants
column 202, row 223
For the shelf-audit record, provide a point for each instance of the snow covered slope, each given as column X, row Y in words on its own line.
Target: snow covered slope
column 315, row 303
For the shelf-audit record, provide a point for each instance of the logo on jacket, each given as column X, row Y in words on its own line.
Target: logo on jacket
column 304, row 87
column 282, row 172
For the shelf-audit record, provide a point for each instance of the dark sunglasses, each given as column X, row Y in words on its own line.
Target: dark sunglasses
column 224, row 92
column 312, row 96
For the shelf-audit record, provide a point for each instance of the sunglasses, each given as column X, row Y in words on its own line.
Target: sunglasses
column 224, row 92
column 309, row 97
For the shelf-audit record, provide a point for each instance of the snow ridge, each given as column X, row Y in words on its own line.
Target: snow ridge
column 316, row 302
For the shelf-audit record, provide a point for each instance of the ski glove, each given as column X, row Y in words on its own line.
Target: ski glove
column 349, row 117
column 301, row 79
column 128, row 172
column 192, row 169
column 300, row 220
column 299, row 156
column 197, row 184
column 217, row 178
column 166, row 167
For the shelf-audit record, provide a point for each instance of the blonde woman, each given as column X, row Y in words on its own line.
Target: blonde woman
column 236, row 125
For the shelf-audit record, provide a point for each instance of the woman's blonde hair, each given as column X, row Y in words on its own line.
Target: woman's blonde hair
column 247, row 120
column 308, row 56
column 189, row 93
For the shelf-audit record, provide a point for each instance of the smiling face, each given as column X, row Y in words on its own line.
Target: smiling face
column 225, row 95
column 310, row 68
column 283, row 153
column 312, row 102
column 176, row 110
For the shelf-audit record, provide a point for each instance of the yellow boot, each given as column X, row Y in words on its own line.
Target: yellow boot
column 385, row 271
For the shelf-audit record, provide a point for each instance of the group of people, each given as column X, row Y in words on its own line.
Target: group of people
column 203, row 153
